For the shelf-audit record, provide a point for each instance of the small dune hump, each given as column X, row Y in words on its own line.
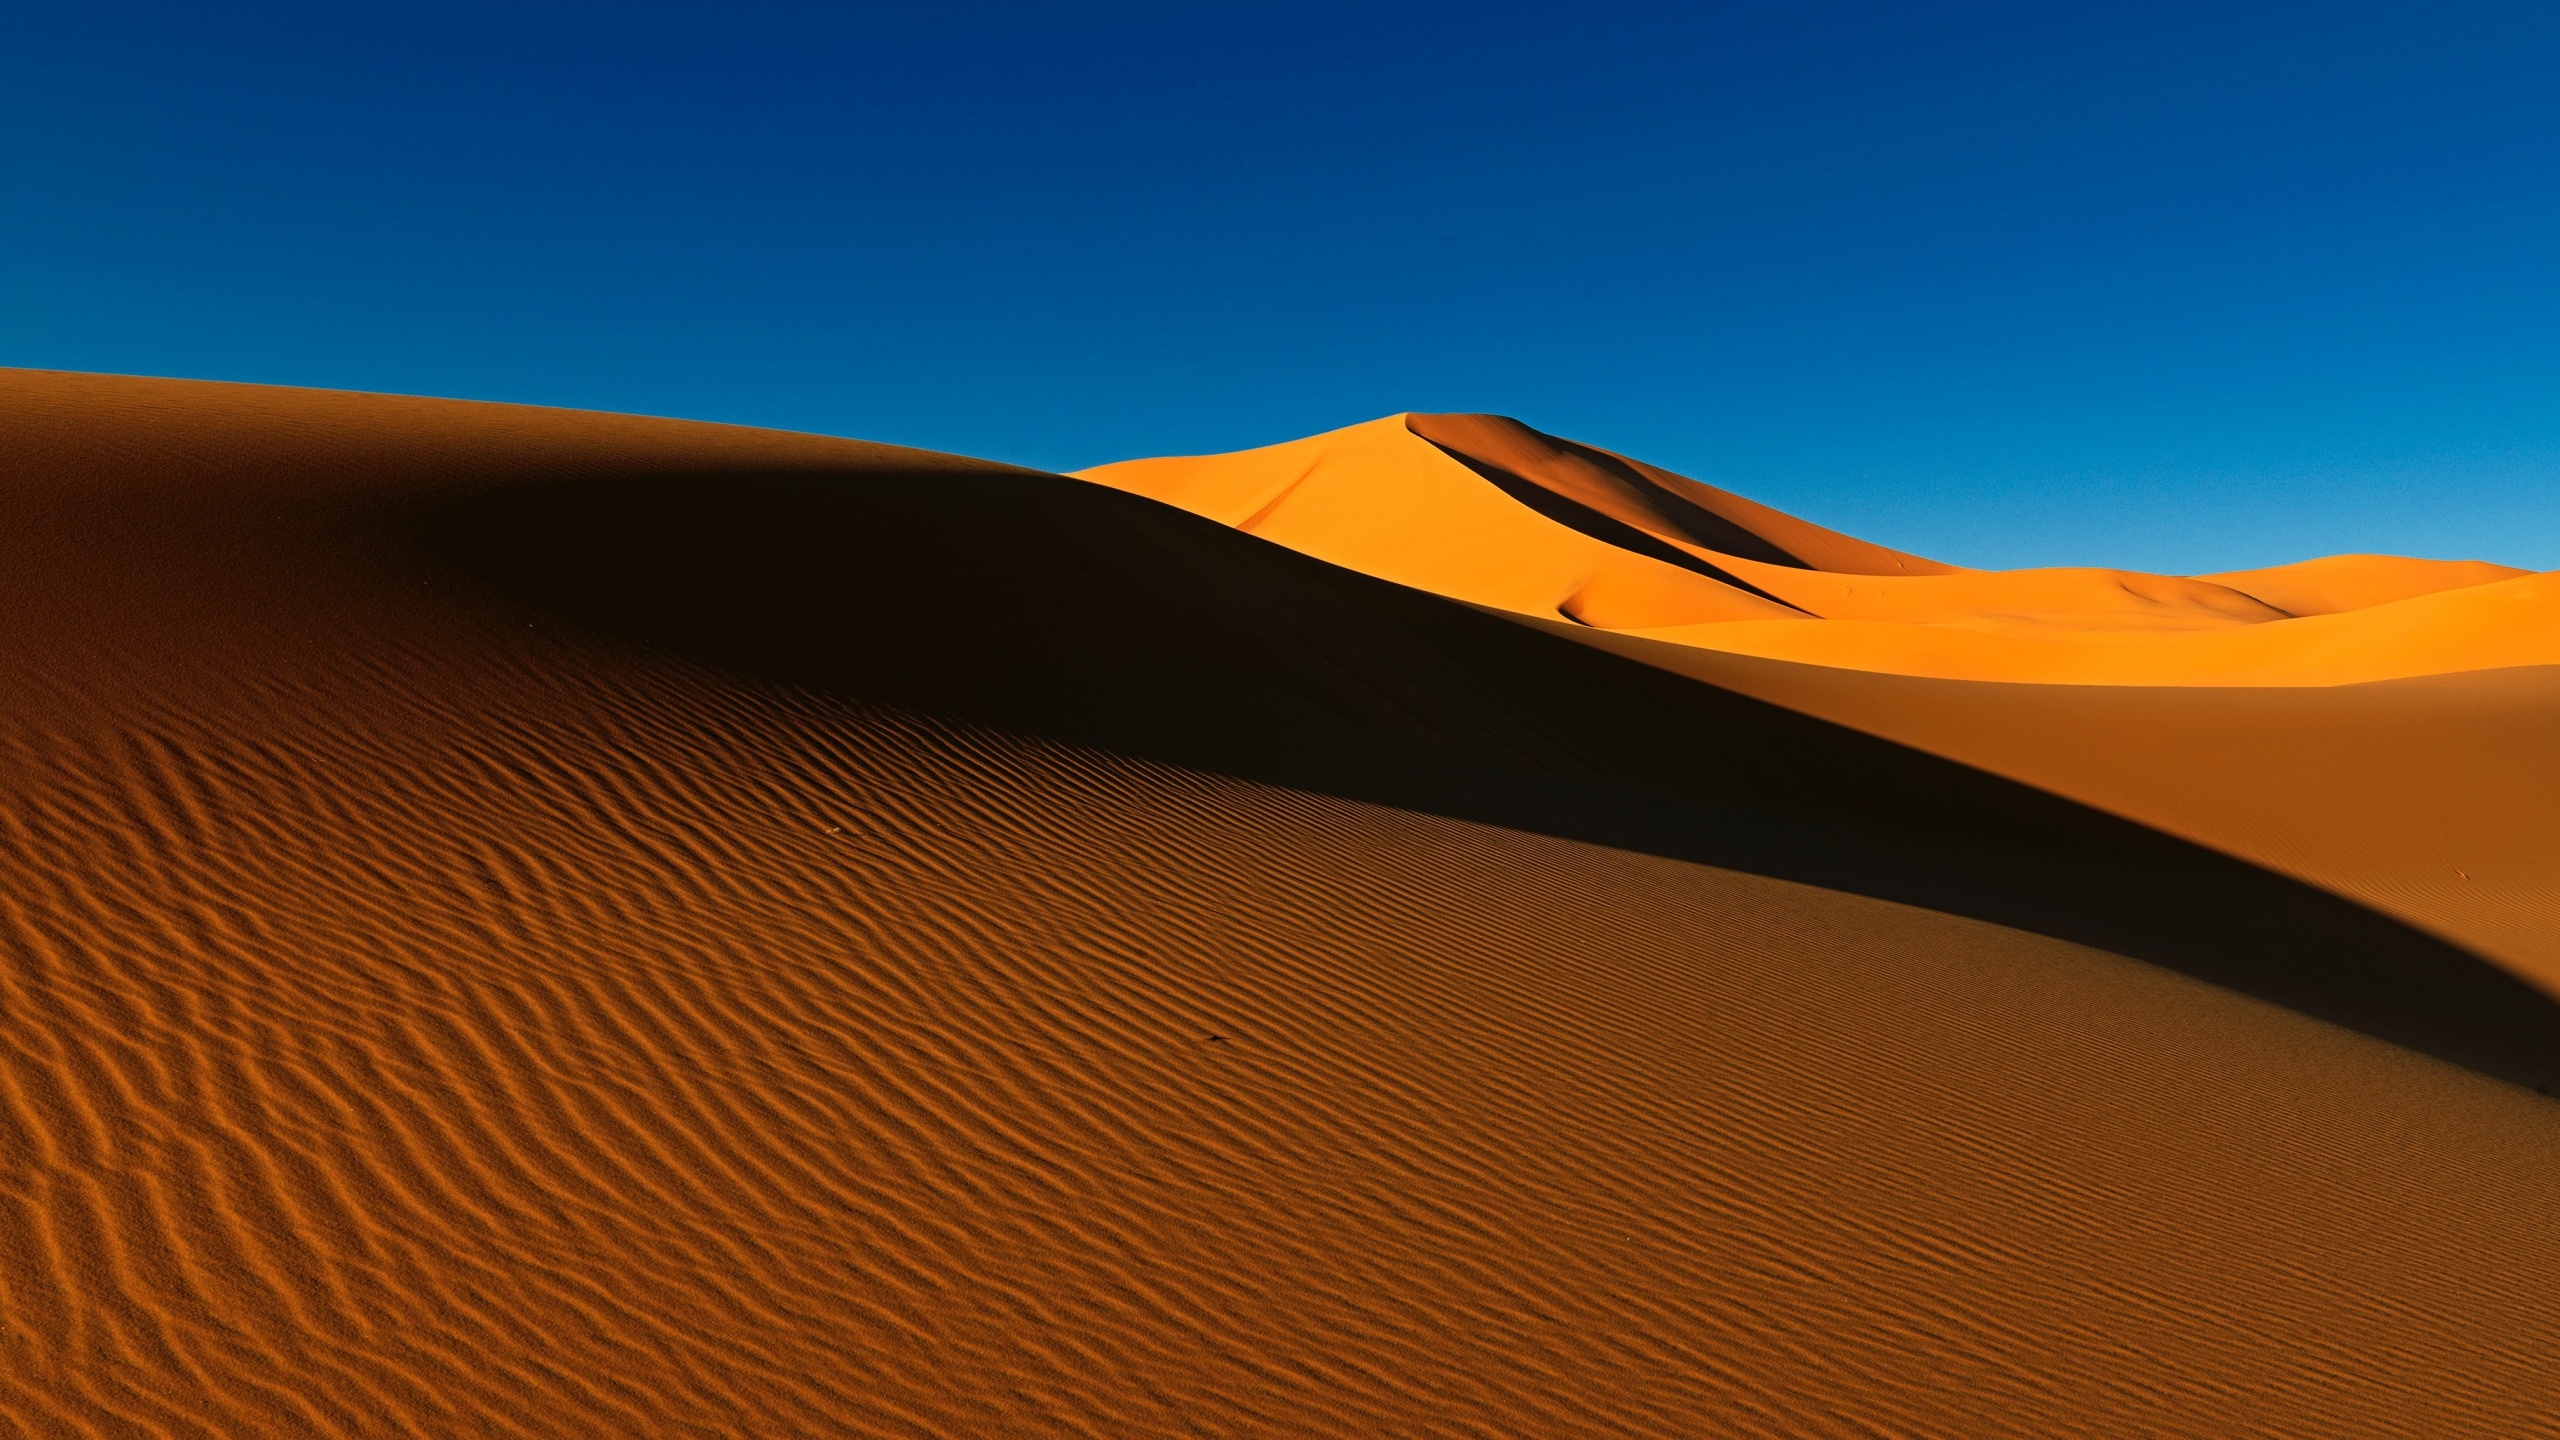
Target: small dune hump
column 2336, row 584
column 529, row 923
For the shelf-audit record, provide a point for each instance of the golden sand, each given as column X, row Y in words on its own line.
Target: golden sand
column 529, row 923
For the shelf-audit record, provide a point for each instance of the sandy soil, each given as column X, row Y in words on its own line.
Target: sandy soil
column 529, row 923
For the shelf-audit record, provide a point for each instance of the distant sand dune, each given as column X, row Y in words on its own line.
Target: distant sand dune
column 1487, row 510
column 2338, row 583
column 529, row 923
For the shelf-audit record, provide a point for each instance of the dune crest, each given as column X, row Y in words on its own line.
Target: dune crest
column 1700, row 518
column 1545, row 517
column 1379, row 499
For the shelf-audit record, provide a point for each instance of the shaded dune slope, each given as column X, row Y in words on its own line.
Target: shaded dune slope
column 524, row 923
column 1595, row 485
column 2429, row 798
column 1074, row 612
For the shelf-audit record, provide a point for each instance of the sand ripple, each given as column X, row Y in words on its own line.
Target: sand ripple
column 418, row 1017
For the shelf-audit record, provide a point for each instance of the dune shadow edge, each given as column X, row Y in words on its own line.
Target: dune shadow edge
column 1069, row 611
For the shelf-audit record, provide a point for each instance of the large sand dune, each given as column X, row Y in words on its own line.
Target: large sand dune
column 1486, row 510
column 2377, row 725
column 530, row 923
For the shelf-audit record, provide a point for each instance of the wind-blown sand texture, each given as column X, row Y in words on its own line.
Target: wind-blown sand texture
column 531, row 923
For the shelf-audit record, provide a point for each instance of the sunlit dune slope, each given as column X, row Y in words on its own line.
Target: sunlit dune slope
column 1487, row 510
column 530, row 923
column 2502, row 625
column 1382, row 501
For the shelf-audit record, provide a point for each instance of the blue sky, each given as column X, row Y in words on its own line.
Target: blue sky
column 2165, row 286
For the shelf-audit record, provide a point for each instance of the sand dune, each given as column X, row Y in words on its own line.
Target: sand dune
column 2337, row 583
column 2430, row 798
column 531, row 923
column 1486, row 510
column 1438, row 526
column 2506, row 624
column 1700, row 519
column 2376, row 725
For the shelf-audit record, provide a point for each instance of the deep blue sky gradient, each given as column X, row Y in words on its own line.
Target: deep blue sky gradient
column 2181, row 287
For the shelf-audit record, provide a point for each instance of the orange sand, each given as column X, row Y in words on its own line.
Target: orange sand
column 1486, row 510
column 2376, row 725
column 539, row 924
column 2430, row 798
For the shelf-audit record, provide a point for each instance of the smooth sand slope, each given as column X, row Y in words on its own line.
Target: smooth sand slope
column 530, row 923
column 2382, row 727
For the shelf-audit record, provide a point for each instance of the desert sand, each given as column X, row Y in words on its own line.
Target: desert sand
column 2380, row 726
column 531, row 923
column 1486, row 510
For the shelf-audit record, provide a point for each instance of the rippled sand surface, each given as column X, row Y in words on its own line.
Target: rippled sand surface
column 525, row 923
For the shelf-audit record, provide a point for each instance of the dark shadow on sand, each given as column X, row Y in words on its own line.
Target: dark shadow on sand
column 1056, row 608
column 1573, row 515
